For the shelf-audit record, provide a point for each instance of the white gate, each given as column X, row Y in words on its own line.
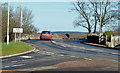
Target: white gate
column 115, row 40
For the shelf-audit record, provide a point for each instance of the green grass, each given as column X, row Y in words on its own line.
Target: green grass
column 83, row 38
column 15, row 47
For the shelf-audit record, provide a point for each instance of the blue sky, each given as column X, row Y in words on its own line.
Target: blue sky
column 54, row 16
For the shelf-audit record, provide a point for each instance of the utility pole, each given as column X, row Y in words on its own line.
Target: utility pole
column 8, row 25
column 0, row 26
column 100, row 31
column 21, row 19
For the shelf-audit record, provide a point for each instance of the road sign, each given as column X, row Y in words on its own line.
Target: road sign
column 18, row 30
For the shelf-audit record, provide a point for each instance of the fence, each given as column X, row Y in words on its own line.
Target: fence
column 110, row 41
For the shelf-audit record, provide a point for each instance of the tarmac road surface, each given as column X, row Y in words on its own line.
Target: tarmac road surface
column 49, row 53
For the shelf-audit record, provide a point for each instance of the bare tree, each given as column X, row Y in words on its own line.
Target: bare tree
column 85, row 16
column 95, row 14
column 107, row 16
column 90, row 14
column 13, row 22
column 116, row 31
column 28, row 26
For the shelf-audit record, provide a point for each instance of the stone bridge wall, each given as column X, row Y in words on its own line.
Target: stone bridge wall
column 55, row 36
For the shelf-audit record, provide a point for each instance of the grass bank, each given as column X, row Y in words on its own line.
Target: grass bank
column 15, row 47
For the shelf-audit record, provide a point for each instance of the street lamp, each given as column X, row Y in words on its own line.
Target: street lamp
column 100, row 32
column 21, row 19
column 8, row 25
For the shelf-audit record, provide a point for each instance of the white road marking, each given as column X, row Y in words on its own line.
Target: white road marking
column 115, row 53
column 17, row 65
column 6, row 66
column 26, row 56
column 44, row 51
column 64, row 45
column 53, row 41
column 82, row 47
column 48, row 54
column 100, row 50
column 23, row 60
column 52, row 53
column 61, row 55
column 36, row 50
column 95, row 50
column 4, row 60
column 72, row 56
column 13, row 61
column 67, row 45
column 92, row 49
column 87, row 59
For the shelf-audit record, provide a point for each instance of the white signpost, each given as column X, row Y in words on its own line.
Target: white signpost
column 17, row 30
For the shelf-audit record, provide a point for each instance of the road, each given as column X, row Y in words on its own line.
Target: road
column 49, row 53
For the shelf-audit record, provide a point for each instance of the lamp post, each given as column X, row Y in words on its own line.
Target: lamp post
column 8, row 25
column 21, row 19
column 100, row 32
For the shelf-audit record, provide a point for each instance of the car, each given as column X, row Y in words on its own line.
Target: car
column 45, row 35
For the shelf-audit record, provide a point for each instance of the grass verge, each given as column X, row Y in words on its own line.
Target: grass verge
column 15, row 47
column 83, row 38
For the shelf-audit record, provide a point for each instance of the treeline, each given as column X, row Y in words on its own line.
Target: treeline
column 15, row 21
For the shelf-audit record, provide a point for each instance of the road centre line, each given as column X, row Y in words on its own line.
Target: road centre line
column 66, row 45
column 26, row 56
column 17, row 65
column 72, row 56
column 4, row 60
column 87, row 59
column 6, row 66
column 61, row 55
column 13, row 61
